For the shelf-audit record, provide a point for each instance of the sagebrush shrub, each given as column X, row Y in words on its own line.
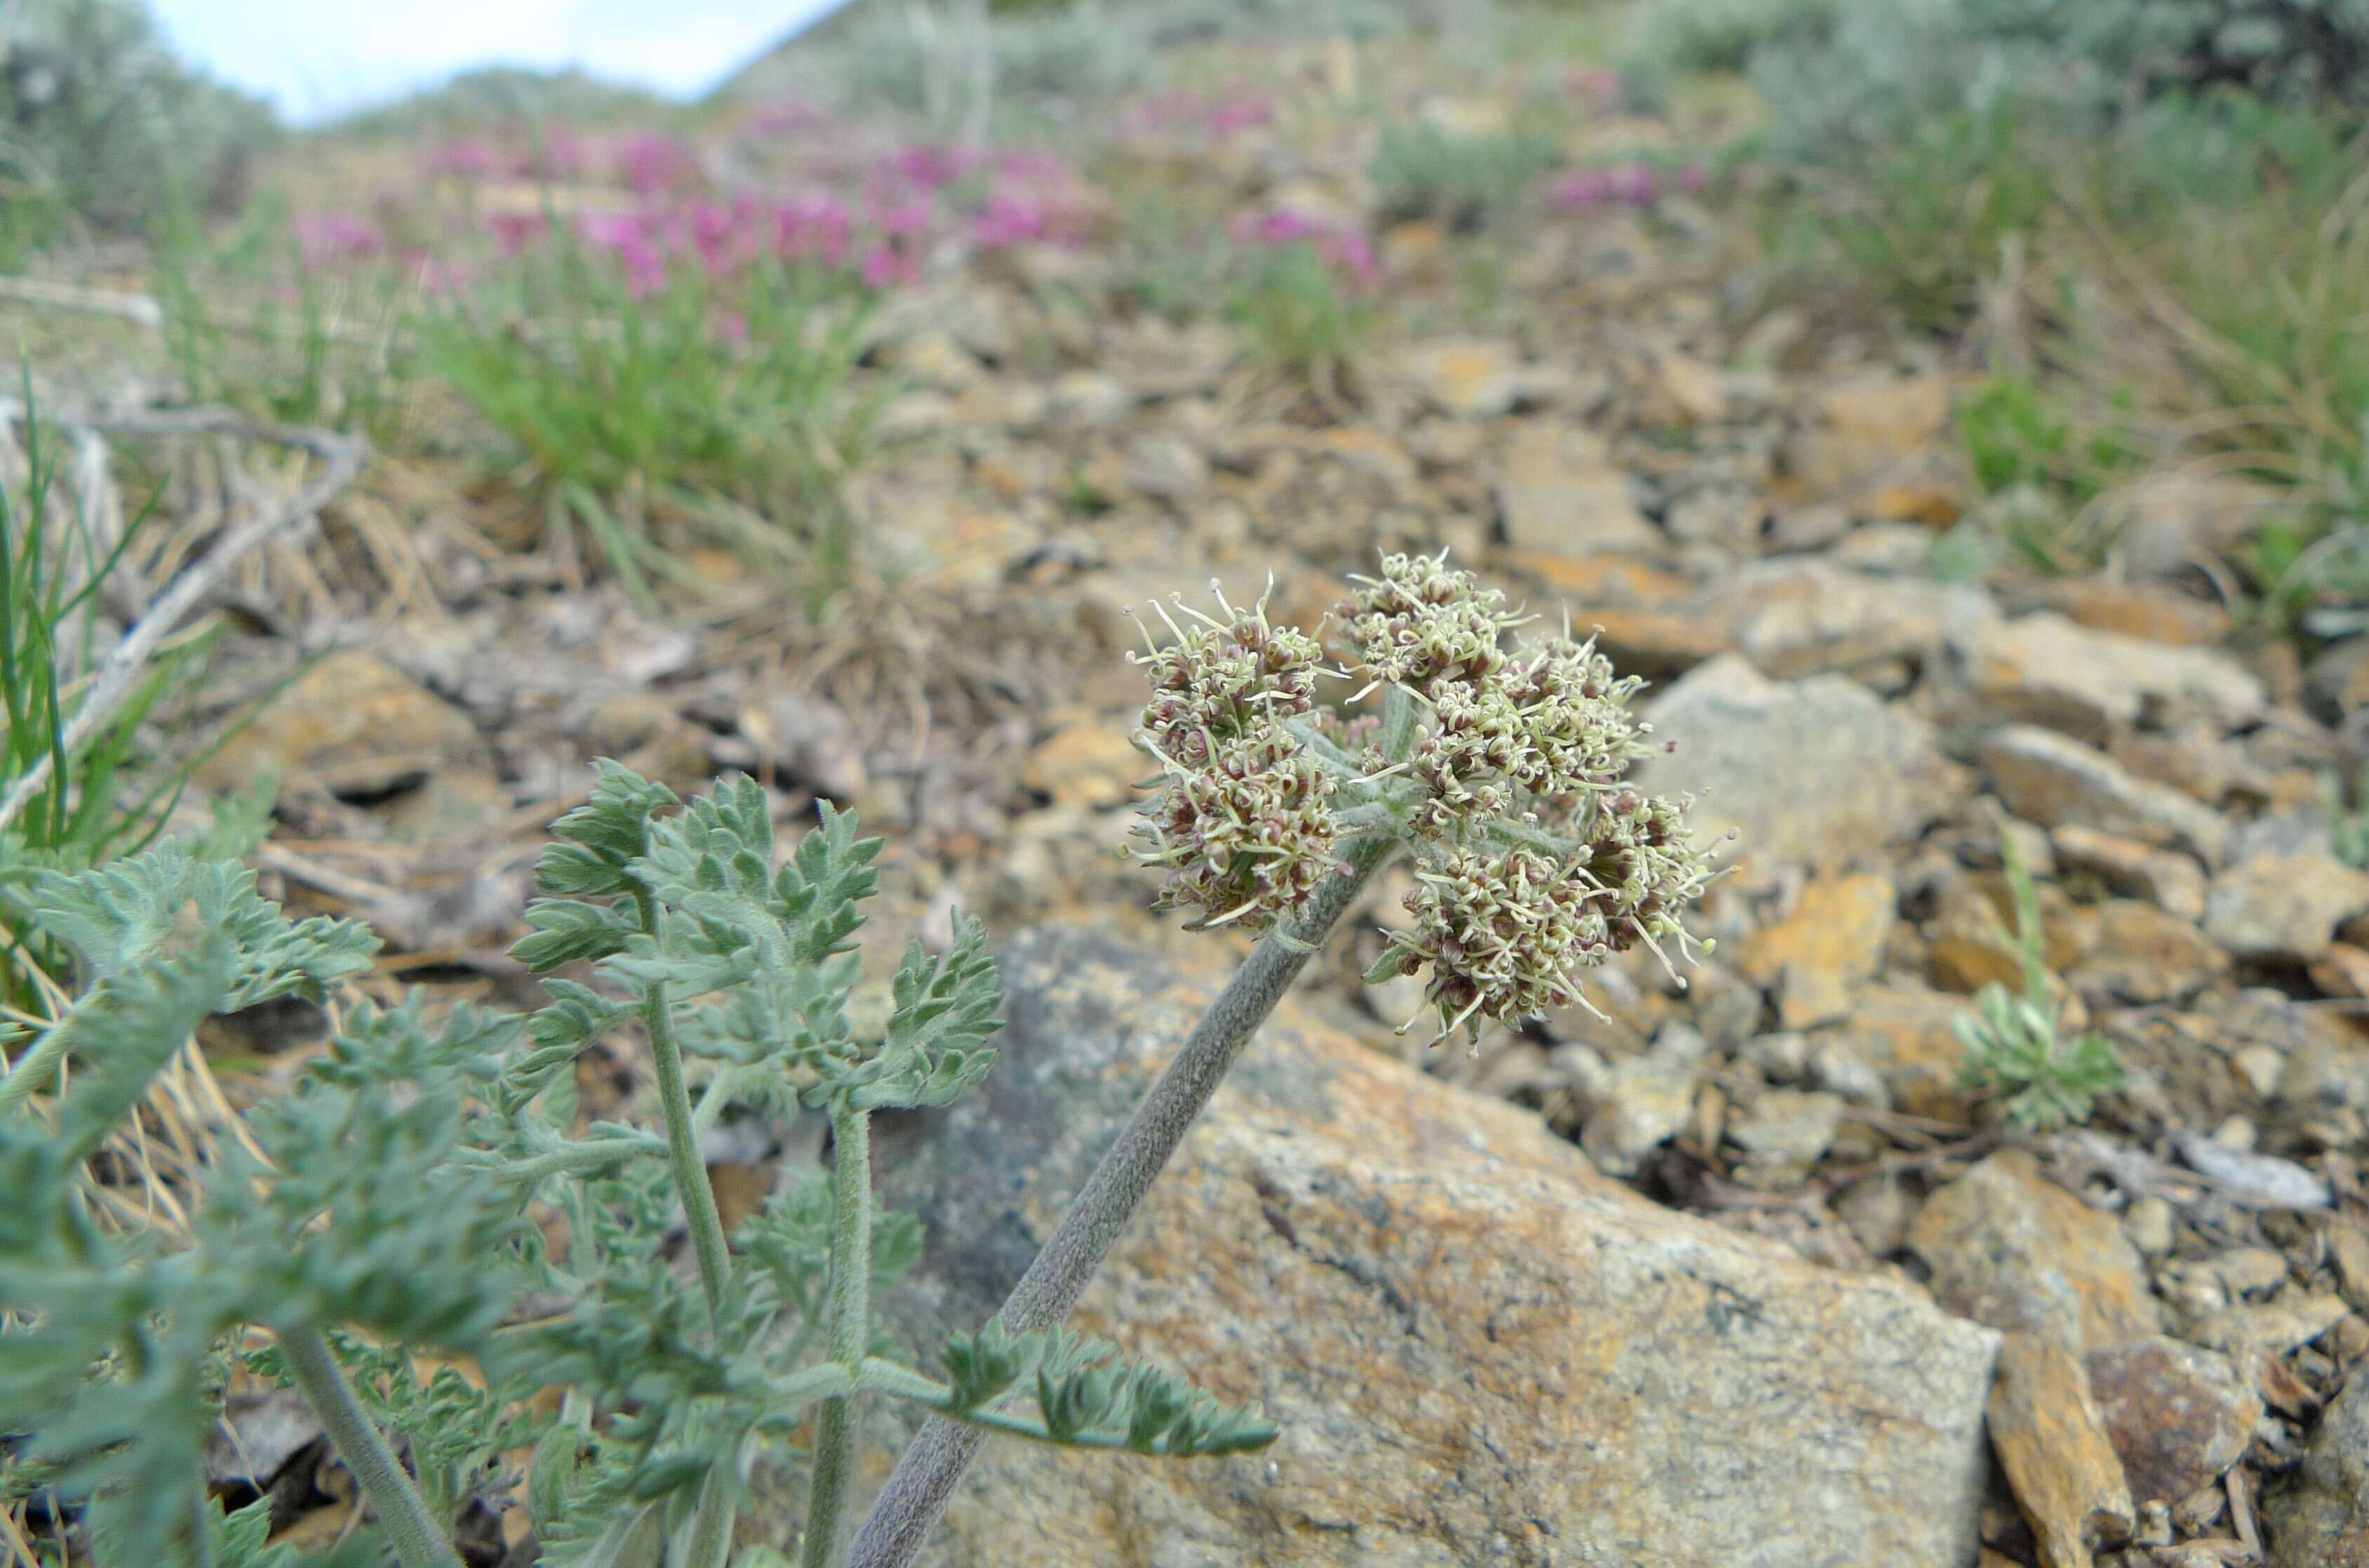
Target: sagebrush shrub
column 96, row 114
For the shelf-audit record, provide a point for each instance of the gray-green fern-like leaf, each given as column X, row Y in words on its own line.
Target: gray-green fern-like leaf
column 946, row 1007
column 1087, row 1395
column 161, row 900
column 125, row 1030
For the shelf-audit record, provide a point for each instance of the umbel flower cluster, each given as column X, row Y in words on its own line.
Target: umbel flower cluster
column 1499, row 767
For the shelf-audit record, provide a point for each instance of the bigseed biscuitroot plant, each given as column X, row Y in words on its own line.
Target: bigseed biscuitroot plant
column 454, row 1266
column 1498, row 768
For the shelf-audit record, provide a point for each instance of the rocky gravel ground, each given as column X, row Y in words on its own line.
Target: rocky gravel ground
column 1739, row 1272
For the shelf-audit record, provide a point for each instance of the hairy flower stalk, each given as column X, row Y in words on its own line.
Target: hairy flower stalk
column 411, row 1530
column 836, row 1432
column 1499, row 768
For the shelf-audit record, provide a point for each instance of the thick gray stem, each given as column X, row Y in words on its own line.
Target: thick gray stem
column 925, row 1478
column 418, row 1540
column 836, row 1429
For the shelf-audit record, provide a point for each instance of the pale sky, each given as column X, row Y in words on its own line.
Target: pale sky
column 314, row 60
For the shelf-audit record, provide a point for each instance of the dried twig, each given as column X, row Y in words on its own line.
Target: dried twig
column 342, row 457
column 145, row 310
column 137, row 308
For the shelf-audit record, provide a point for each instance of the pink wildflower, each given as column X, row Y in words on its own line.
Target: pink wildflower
column 812, row 228
column 464, row 159
column 886, row 265
column 901, row 220
column 633, row 239
column 434, row 277
column 1343, row 249
column 560, row 156
column 514, row 232
column 927, row 168
column 1237, row 115
column 652, row 164
column 1591, row 82
column 325, row 238
column 1635, row 183
column 1010, row 218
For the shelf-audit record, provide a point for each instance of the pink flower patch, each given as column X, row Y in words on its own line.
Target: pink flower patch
column 1591, row 82
column 886, row 265
column 561, row 154
column 1237, row 115
column 1635, row 184
column 635, row 240
column 1344, row 249
column 929, row 168
column 464, row 159
column 324, row 239
column 515, row 232
column 812, row 228
column 651, row 164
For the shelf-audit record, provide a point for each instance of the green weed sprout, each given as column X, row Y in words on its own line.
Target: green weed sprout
column 1298, row 313
column 387, row 1205
column 634, row 409
column 1423, row 170
column 67, row 803
column 1497, row 769
column 2017, row 1056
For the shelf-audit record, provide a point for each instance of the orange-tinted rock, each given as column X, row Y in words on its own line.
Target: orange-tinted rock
column 352, row 722
column 1089, row 760
column 2011, row 1249
column 1910, row 1037
column 1476, row 1348
column 2052, row 1446
column 2145, row 611
column 1833, row 939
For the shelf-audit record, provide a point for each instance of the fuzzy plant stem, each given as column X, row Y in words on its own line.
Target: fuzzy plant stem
column 850, row 1331
column 401, row 1512
column 925, row 1478
column 711, row 1525
column 683, row 1135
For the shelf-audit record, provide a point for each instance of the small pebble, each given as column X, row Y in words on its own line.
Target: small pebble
column 2352, row 1338
column 2199, row 1511
column 2257, row 1068
column 2250, row 1271
column 2236, row 1133
column 2148, row 1224
column 1878, row 1211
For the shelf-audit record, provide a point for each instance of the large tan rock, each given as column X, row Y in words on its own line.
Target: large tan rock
column 1478, row 1350
column 2049, row 670
column 1472, row 378
column 1797, row 617
column 1559, row 493
column 352, row 722
column 2284, row 907
column 1816, row 772
column 2011, row 1248
column 2179, row 1416
column 2050, row 779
